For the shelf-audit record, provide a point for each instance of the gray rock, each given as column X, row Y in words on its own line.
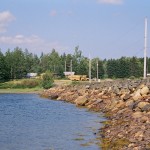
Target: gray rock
column 126, row 97
column 142, row 104
column 146, row 108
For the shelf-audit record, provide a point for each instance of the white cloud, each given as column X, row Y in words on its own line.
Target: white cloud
column 5, row 18
column 20, row 39
column 34, row 43
column 115, row 2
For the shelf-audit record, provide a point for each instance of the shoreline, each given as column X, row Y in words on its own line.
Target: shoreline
column 21, row 91
column 125, row 103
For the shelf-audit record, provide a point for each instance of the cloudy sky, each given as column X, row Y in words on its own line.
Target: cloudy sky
column 103, row 28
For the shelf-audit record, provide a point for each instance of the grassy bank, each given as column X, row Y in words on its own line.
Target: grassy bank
column 25, row 90
column 21, row 86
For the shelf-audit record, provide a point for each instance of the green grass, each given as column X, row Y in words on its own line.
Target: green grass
column 25, row 90
column 21, row 86
column 79, row 139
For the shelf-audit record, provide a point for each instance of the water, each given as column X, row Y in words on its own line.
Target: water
column 28, row 122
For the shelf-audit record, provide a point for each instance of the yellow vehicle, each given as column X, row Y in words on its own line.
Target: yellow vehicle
column 78, row 77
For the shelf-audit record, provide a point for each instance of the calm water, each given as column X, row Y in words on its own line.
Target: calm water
column 28, row 122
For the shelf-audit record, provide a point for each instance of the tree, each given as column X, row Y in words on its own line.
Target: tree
column 54, row 61
column 96, row 62
column 136, row 67
column 47, row 80
column 77, row 57
column 123, row 70
column 3, row 68
column 18, row 66
column 9, row 64
column 111, row 68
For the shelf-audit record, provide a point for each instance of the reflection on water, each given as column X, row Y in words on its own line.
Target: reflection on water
column 28, row 122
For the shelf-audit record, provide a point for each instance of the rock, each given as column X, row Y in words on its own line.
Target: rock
column 53, row 96
column 105, row 97
column 137, row 95
column 100, row 94
column 97, row 101
column 131, row 145
column 81, row 100
column 137, row 114
column 126, row 97
column 146, row 108
column 119, row 105
column 116, row 90
column 145, row 90
column 142, row 104
column 144, row 119
column 141, row 86
column 139, row 135
column 87, row 86
column 136, row 148
column 129, row 103
column 125, row 103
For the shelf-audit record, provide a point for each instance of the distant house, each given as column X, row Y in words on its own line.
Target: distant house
column 31, row 75
column 68, row 73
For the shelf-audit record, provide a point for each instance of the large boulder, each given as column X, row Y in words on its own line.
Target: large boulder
column 137, row 95
column 146, row 108
column 126, row 97
column 137, row 115
column 144, row 90
column 53, row 96
column 142, row 104
column 81, row 100
column 129, row 103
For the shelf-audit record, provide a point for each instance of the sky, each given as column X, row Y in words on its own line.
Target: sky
column 101, row 28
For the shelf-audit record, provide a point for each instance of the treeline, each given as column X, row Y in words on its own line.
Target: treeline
column 17, row 63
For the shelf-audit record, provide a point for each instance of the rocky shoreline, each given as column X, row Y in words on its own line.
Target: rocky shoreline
column 126, row 104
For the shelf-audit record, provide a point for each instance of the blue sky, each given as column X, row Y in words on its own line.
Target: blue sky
column 103, row 28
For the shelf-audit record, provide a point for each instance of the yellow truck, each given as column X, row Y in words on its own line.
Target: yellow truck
column 78, row 77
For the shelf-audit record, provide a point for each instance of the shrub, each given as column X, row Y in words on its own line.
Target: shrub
column 31, row 83
column 20, row 84
column 47, row 80
column 132, row 77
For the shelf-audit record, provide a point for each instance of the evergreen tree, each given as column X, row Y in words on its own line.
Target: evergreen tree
column 3, row 70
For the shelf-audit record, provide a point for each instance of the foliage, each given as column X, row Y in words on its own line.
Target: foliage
column 17, row 84
column 2, row 67
column 15, row 64
column 47, row 80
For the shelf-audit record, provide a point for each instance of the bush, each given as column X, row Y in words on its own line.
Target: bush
column 20, row 84
column 47, row 80
column 132, row 77
column 31, row 83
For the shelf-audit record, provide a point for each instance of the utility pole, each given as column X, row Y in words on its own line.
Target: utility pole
column 145, row 48
column 65, row 65
column 97, row 70
column 71, row 66
column 89, row 68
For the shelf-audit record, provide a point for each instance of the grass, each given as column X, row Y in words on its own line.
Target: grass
column 21, row 86
column 79, row 139
column 117, row 144
column 25, row 90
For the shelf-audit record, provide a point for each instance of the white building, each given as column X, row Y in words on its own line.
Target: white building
column 31, row 75
column 69, row 73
